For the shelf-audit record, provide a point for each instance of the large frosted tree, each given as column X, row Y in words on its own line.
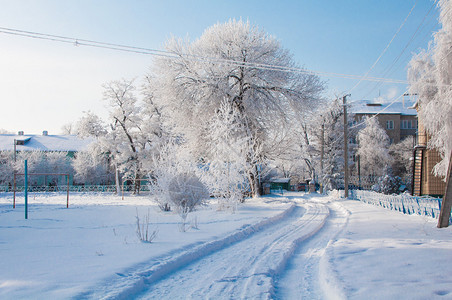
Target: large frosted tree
column 430, row 76
column 226, row 65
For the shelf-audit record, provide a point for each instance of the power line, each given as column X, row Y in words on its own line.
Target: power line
column 173, row 55
column 388, row 70
column 385, row 49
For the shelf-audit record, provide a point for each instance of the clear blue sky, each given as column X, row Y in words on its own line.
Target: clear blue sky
column 46, row 84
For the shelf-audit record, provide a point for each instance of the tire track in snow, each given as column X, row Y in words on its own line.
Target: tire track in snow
column 138, row 278
column 309, row 274
column 246, row 269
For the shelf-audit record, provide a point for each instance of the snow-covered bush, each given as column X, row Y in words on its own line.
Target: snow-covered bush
column 186, row 192
column 389, row 185
column 175, row 184
column 171, row 160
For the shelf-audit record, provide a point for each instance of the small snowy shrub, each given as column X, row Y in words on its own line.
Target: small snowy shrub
column 143, row 231
column 186, row 192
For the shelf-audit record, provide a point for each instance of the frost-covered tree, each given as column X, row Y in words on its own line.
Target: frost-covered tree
column 67, row 129
column 373, row 148
column 328, row 129
column 320, row 130
column 222, row 66
column 430, row 76
column 401, row 155
column 92, row 167
column 58, row 163
column 126, row 142
column 227, row 169
column 6, row 167
column 4, row 131
column 90, row 125
column 44, row 162
column 134, row 131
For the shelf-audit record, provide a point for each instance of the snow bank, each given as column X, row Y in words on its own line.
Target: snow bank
column 383, row 254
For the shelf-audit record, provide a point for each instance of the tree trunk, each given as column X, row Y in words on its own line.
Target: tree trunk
column 118, row 184
column 254, row 185
column 443, row 220
column 137, row 184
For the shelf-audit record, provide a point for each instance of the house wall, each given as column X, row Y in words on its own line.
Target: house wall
column 396, row 134
column 408, row 132
column 429, row 183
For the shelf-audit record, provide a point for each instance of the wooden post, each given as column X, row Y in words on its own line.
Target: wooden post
column 26, row 189
column 14, row 191
column 67, row 199
column 444, row 215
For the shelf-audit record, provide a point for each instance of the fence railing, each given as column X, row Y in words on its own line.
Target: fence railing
column 404, row 203
column 73, row 188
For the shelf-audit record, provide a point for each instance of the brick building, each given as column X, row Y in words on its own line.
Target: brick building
column 424, row 181
column 398, row 119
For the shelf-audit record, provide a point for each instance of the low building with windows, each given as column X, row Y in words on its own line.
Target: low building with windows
column 398, row 119
column 45, row 142
column 13, row 145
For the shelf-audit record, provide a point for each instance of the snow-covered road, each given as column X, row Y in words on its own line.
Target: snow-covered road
column 308, row 274
column 248, row 268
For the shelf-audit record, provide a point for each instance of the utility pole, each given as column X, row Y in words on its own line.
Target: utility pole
column 344, row 103
column 15, row 143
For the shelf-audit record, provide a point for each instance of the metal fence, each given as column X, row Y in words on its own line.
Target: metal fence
column 73, row 188
column 404, row 203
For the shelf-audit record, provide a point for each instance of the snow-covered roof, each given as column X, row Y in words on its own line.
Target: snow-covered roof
column 44, row 142
column 280, row 180
column 374, row 107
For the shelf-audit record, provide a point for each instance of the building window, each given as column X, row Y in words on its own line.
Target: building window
column 390, row 124
column 407, row 124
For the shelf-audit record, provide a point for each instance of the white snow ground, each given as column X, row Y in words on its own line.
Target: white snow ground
column 292, row 247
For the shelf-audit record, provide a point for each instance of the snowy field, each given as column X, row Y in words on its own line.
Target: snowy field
column 284, row 247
